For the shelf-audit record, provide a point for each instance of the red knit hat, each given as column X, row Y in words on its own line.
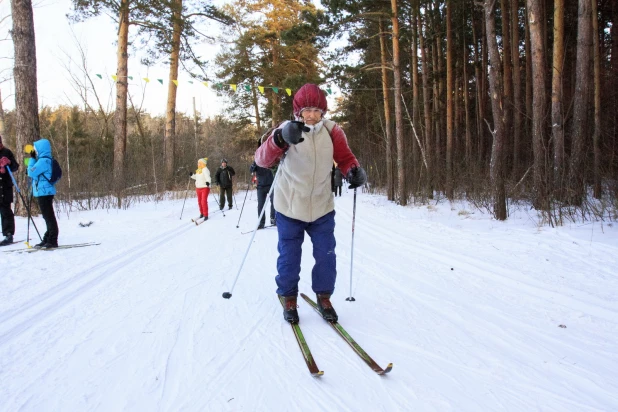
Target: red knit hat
column 307, row 96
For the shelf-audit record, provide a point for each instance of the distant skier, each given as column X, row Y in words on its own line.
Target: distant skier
column 304, row 200
column 265, row 179
column 7, row 160
column 337, row 180
column 40, row 170
column 223, row 178
column 202, row 186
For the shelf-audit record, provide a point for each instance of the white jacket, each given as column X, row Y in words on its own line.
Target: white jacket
column 202, row 178
column 303, row 188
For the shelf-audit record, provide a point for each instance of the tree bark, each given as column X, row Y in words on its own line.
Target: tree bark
column 517, row 95
column 581, row 101
column 596, row 136
column 426, row 106
column 497, row 152
column 120, row 118
column 538, row 103
column 27, row 128
column 170, row 113
column 507, row 81
column 557, row 120
column 390, row 184
column 401, row 175
column 449, row 102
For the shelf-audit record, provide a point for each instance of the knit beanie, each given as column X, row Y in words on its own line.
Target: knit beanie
column 308, row 96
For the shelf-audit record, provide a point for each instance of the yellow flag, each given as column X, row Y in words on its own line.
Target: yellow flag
column 233, row 86
column 115, row 77
column 175, row 82
column 261, row 89
column 146, row 79
column 205, row 84
column 289, row 91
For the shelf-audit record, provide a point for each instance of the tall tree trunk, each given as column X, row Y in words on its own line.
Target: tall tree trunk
column 528, row 113
column 6, row 140
column 426, row 105
column 466, row 100
column 507, row 82
column 449, row 102
column 478, row 76
column 170, row 115
column 538, row 102
column 580, row 106
column 497, row 152
column 390, row 183
column 256, row 108
column 557, row 120
column 24, row 73
column 484, row 57
column 614, row 82
column 401, row 175
column 517, row 95
column 120, row 118
column 416, row 116
column 596, row 136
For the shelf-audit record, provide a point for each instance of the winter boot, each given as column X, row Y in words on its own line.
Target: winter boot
column 326, row 308
column 50, row 245
column 201, row 216
column 290, row 314
column 43, row 243
column 8, row 240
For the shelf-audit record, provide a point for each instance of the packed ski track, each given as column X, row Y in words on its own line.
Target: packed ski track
column 475, row 314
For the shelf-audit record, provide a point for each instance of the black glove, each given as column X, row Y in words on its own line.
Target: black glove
column 207, row 184
column 33, row 154
column 356, row 177
column 291, row 133
column 190, row 174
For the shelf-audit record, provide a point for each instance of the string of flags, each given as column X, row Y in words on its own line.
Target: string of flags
column 219, row 86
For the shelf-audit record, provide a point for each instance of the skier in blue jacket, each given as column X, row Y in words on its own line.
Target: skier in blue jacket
column 40, row 170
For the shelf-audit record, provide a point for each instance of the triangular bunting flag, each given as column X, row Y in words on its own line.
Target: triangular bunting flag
column 219, row 86
column 130, row 77
column 115, row 77
column 233, row 86
column 190, row 81
column 205, row 84
column 175, row 82
column 99, row 76
column 160, row 81
column 248, row 87
column 329, row 91
column 261, row 89
column 146, row 79
column 276, row 89
column 288, row 91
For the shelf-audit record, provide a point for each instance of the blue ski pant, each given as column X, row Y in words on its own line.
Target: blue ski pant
column 291, row 236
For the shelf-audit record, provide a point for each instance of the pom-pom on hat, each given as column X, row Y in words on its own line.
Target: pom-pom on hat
column 310, row 95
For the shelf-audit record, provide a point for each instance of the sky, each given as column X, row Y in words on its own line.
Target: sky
column 57, row 41
column 475, row 314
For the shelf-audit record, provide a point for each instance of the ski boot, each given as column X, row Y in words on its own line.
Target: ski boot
column 290, row 314
column 326, row 308
column 8, row 240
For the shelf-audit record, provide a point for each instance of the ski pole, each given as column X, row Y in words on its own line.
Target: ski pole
column 227, row 295
column 235, row 202
column 26, row 206
column 183, row 203
column 220, row 208
column 351, row 298
column 243, row 205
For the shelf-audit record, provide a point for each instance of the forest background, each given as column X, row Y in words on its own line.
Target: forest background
column 505, row 103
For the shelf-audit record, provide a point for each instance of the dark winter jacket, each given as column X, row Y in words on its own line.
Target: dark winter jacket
column 338, row 177
column 6, row 183
column 223, row 177
column 40, row 169
column 265, row 176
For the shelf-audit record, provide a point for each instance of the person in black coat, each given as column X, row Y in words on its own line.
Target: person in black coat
column 7, row 160
column 223, row 178
column 337, row 180
column 265, row 180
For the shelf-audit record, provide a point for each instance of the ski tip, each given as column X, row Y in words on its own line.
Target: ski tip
column 317, row 374
column 389, row 367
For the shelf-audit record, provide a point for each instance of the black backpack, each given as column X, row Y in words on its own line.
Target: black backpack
column 56, row 173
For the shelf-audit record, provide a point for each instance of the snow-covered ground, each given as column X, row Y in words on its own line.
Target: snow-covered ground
column 467, row 308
